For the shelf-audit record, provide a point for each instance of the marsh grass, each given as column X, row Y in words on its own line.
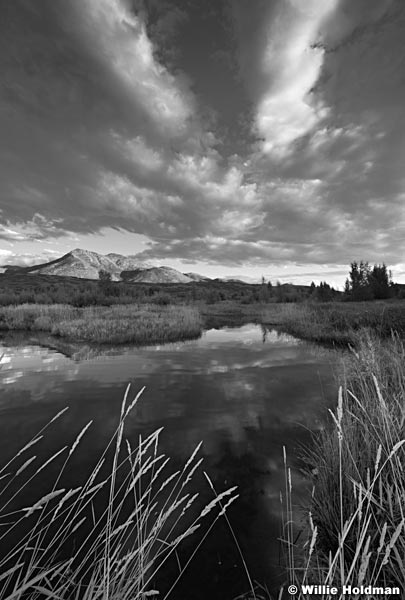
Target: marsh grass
column 356, row 523
column 137, row 324
column 336, row 323
column 147, row 512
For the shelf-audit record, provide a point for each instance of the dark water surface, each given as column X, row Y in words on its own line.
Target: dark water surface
column 245, row 391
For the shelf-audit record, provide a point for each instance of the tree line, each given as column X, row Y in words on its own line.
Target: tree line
column 369, row 283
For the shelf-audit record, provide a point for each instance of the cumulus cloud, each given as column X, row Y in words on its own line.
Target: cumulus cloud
column 99, row 130
column 26, row 259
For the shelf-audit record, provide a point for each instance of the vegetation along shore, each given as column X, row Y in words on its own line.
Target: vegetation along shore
column 137, row 324
column 356, row 524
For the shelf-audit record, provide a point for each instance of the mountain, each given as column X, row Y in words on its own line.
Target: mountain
column 86, row 265
column 156, row 275
column 197, row 277
column 128, row 263
column 78, row 263
column 241, row 279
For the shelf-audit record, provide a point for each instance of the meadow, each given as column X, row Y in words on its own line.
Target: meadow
column 120, row 324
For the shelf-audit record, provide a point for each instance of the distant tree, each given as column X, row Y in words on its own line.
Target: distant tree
column 366, row 283
column 104, row 276
column 279, row 292
column 104, row 280
column 322, row 292
column 359, row 281
column 380, row 282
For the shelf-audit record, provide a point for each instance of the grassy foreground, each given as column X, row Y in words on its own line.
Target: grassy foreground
column 137, row 324
column 357, row 517
column 147, row 511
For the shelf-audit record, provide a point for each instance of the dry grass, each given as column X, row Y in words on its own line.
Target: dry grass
column 357, row 518
column 336, row 322
column 137, row 324
column 147, row 513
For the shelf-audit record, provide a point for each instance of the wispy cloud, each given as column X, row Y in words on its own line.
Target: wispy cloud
column 291, row 65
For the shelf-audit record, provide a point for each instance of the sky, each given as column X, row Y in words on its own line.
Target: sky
column 231, row 137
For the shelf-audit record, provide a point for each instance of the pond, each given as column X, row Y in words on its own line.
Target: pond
column 244, row 391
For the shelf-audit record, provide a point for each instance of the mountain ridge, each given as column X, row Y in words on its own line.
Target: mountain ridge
column 86, row 264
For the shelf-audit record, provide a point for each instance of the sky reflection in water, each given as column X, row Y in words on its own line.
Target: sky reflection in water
column 246, row 392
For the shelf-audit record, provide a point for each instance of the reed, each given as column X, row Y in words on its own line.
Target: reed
column 356, row 523
column 147, row 512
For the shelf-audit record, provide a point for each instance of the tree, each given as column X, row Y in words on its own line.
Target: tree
column 279, row 292
column 322, row 292
column 366, row 283
column 380, row 282
column 359, row 281
column 104, row 280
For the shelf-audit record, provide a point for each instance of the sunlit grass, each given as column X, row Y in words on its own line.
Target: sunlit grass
column 357, row 518
column 148, row 511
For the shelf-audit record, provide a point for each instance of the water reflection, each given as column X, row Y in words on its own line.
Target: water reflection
column 246, row 392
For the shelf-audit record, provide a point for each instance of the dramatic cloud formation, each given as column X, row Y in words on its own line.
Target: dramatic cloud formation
column 292, row 64
column 269, row 134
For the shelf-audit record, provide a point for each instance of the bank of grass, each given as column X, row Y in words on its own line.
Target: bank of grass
column 137, row 324
column 336, row 323
column 232, row 313
column 357, row 516
column 147, row 511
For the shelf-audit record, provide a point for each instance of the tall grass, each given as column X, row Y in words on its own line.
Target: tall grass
column 336, row 322
column 357, row 518
column 138, row 324
column 147, row 512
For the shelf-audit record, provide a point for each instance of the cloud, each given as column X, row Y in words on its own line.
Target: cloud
column 7, row 257
column 116, row 38
column 100, row 129
column 291, row 65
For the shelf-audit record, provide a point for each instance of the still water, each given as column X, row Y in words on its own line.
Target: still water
column 245, row 391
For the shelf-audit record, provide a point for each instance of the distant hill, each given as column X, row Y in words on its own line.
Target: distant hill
column 86, row 265
column 241, row 278
column 77, row 263
column 197, row 277
column 155, row 275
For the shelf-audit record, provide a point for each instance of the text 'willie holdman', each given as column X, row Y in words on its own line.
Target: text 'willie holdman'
column 348, row 590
